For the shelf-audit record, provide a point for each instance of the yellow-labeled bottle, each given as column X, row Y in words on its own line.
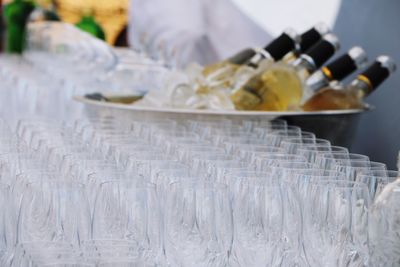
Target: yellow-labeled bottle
column 224, row 71
column 307, row 40
column 335, row 71
column 280, row 86
column 352, row 96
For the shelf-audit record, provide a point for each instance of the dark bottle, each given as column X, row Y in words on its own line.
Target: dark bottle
column 89, row 25
column 1, row 27
column 352, row 96
column 274, row 51
column 308, row 39
column 277, row 49
column 47, row 13
column 337, row 70
column 312, row 36
column 280, row 86
column 16, row 16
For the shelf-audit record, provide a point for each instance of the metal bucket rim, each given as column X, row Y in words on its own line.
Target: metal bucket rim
column 133, row 108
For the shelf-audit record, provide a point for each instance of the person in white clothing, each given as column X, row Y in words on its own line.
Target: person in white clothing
column 185, row 31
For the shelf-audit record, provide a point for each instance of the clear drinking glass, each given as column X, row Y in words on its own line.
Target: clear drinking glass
column 7, row 222
column 198, row 224
column 336, row 223
column 310, row 152
column 291, row 145
column 46, row 211
column 258, row 225
column 331, row 160
column 376, row 180
column 129, row 210
column 384, row 227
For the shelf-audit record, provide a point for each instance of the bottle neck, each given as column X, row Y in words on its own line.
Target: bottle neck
column 276, row 49
column 304, row 63
column 15, row 39
column 260, row 55
column 49, row 3
column 1, row 26
column 317, row 81
column 88, row 18
column 362, row 86
column 16, row 21
column 242, row 57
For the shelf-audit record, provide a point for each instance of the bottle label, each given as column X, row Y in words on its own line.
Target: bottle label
column 327, row 73
column 367, row 81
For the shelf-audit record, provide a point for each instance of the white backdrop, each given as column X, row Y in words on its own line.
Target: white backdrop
column 274, row 15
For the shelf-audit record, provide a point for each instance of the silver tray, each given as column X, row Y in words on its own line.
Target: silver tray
column 338, row 126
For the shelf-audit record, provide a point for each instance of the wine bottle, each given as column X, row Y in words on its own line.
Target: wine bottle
column 16, row 16
column 1, row 27
column 312, row 36
column 89, row 25
column 45, row 13
column 352, row 96
column 275, row 50
column 307, row 40
column 339, row 69
column 280, row 86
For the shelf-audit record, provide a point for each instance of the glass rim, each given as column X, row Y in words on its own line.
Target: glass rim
column 116, row 261
column 286, row 132
column 234, row 171
column 196, row 145
column 280, row 154
column 36, row 172
column 73, row 183
column 100, row 173
column 355, row 155
column 193, row 184
column 294, row 162
column 133, row 157
column 217, row 159
column 381, row 174
column 324, row 173
column 45, row 242
column 306, row 138
column 66, row 262
column 269, row 146
column 266, row 177
column 315, row 147
column 137, row 184
column 352, row 184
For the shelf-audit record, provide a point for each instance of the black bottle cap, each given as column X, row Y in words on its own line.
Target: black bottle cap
column 242, row 57
column 312, row 36
column 323, row 50
column 282, row 45
column 345, row 64
column 378, row 71
column 308, row 39
column 340, row 68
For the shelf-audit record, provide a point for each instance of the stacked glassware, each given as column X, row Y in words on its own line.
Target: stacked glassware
column 92, row 189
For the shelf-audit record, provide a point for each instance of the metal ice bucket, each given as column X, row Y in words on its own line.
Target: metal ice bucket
column 339, row 126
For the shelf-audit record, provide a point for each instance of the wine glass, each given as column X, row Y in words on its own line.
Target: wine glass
column 336, row 223
column 54, row 210
column 129, row 210
column 198, row 224
column 258, row 224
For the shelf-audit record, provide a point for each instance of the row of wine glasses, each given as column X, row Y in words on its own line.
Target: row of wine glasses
column 195, row 192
